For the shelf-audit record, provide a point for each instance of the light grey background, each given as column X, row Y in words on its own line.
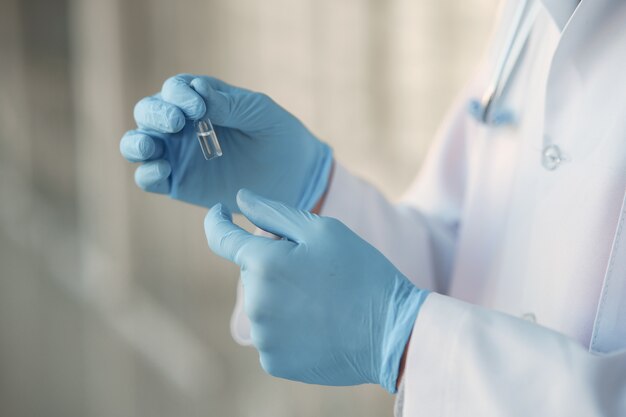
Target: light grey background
column 110, row 302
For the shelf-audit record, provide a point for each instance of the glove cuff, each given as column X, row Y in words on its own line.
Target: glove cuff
column 401, row 315
column 319, row 180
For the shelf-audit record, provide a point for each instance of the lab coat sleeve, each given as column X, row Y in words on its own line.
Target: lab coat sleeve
column 466, row 360
column 399, row 231
column 418, row 233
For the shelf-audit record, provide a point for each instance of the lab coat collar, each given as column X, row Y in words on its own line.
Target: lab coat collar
column 561, row 10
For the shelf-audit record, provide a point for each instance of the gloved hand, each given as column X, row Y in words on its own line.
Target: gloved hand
column 325, row 306
column 265, row 148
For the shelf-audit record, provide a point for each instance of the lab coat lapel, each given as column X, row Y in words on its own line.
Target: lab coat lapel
column 578, row 60
column 560, row 10
column 609, row 331
column 591, row 53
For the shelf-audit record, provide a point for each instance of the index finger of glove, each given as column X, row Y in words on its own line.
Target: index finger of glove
column 230, row 241
column 153, row 113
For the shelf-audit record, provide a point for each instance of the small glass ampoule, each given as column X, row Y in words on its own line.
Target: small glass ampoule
column 207, row 138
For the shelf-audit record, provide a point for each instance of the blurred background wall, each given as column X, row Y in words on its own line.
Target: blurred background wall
column 110, row 302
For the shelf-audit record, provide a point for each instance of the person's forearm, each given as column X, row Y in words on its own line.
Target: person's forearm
column 416, row 244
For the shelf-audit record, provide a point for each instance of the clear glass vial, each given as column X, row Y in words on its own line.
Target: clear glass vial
column 207, row 138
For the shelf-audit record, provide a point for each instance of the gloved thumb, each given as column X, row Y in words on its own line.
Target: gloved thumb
column 273, row 216
column 237, row 108
column 230, row 241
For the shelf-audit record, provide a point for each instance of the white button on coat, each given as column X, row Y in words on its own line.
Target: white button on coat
column 551, row 157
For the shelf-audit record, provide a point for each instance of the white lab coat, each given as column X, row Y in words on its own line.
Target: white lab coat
column 532, row 262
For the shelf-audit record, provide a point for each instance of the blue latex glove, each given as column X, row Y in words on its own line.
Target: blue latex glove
column 325, row 306
column 264, row 147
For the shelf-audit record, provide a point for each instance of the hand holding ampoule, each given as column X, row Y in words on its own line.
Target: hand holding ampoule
column 264, row 148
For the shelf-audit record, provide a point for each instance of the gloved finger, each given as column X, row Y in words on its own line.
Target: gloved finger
column 230, row 241
column 154, row 176
column 139, row 147
column 176, row 90
column 273, row 216
column 238, row 108
column 218, row 84
column 153, row 113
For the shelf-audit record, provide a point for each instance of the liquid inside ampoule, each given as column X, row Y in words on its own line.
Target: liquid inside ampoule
column 208, row 139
